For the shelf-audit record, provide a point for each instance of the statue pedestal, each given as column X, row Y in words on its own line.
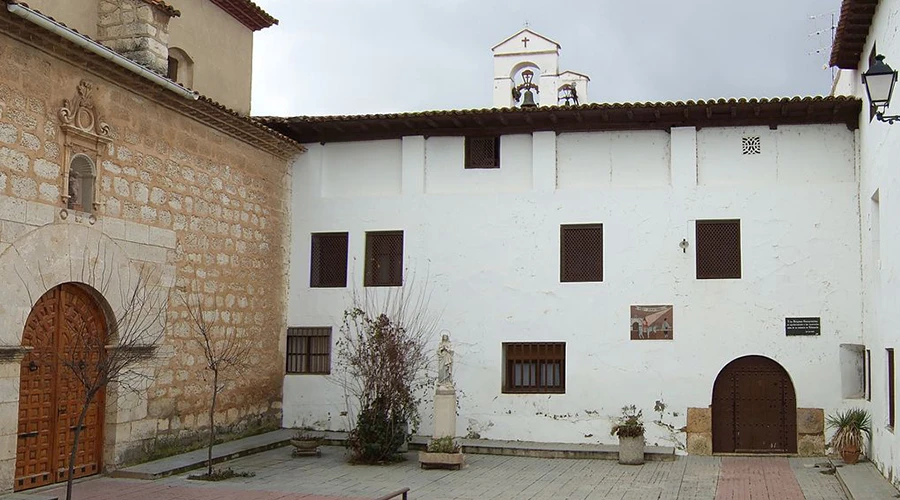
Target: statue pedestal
column 445, row 411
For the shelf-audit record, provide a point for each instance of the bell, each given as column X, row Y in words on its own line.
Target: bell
column 528, row 100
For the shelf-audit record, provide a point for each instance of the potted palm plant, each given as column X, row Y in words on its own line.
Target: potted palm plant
column 629, row 427
column 850, row 425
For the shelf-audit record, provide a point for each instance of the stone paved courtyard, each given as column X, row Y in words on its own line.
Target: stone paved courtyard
column 329, row 477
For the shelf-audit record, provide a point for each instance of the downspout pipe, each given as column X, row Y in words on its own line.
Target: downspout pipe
column 102, row 51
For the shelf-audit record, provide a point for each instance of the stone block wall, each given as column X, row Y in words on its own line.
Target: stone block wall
column 209, row 209
column 810, row 431
column 136, row 30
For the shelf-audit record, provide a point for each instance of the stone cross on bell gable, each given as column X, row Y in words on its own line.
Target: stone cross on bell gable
column 525, row 41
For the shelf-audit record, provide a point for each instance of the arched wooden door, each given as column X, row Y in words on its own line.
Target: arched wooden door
column 754, row 408
column 66, row 325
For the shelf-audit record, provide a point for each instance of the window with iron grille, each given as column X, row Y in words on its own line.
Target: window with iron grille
column 309, row 350
column 384, row 258
column 534, row 367
column 328, row 260
column 581, row 252
column 718, row 249
column 483, row 152
column 889, row 353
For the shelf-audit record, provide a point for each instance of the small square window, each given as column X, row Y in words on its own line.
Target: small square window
column 384, row 258
column 328, row 260
column 483, row 152
column 581, row 253
column 718, row 249
column 534, row 367
column 309, row 350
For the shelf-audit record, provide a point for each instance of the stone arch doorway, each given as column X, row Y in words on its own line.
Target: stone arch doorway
column 754, row 408
column 66, row 325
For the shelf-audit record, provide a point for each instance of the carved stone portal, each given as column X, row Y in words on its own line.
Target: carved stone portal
column 85, row 137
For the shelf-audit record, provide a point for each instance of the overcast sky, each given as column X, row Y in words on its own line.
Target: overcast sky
column 329, row 57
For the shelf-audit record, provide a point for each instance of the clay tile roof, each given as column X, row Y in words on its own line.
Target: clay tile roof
column 586, row 117
column 163, row 6
column 852, row 31
column 247, row 12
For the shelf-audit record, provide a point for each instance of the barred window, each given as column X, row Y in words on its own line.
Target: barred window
column 581, row 252
column 718, row 249
column 328, row 260
column 534, row 367
column 309, row 350
column 384, row 258
column 483, row 152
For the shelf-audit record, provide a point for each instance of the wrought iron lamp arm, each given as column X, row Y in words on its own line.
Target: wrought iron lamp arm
column 890, row 119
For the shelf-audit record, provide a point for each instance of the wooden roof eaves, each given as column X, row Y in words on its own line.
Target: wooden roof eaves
column 855, row 19
column 604, row 118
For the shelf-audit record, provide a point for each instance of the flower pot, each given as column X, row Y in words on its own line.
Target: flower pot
column 631, row 450
column 850, row 455
column 305, row 447
column 428, row 460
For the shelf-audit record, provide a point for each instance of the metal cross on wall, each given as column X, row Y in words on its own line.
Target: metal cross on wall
column 525, row 40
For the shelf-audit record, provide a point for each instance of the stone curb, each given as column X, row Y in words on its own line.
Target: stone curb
column 196, row 459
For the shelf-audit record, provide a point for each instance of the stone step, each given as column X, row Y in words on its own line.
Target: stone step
column 532, row 449
column 862, row 481
column 195, row 459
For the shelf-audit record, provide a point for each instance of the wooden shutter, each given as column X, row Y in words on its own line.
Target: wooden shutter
column 328, row 260
column 718, row 249
column 483, row 152
column 581, row 252
column 384, row 258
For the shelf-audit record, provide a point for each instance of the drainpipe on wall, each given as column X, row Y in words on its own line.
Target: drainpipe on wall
column 92, row 46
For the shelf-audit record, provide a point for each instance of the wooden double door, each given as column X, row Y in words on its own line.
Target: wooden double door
column 63, row 330
column 754, row 408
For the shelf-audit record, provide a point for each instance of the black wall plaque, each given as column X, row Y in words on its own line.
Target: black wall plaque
column 803, row 326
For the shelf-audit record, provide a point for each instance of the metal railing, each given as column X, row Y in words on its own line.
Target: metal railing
column 395, row 494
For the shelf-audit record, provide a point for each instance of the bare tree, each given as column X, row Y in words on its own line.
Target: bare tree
column 96, row 359
column 225, row 352
column 384, row 366
column 133, row 335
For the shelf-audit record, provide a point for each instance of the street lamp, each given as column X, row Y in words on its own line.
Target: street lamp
column 879, row 81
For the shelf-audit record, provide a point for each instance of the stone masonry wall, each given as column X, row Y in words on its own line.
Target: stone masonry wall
column 225, row 202
column 136, row 30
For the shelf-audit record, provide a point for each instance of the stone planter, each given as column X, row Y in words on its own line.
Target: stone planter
column 428, row 460
column 305, row 447
column 631, row 450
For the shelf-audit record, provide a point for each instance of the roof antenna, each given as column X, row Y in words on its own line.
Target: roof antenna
column 823, row 50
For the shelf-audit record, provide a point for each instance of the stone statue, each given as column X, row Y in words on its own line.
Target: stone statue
column 445, row 361
column 74, row 190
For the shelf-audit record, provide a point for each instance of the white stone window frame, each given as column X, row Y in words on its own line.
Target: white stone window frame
column 85, row 136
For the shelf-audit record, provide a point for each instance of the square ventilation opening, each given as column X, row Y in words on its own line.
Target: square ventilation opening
column 750, row 145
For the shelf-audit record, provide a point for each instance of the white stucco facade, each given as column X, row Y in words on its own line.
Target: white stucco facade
column 487, row 242
column 879, row 188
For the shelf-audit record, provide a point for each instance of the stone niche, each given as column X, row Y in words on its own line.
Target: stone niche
column 810, row 431
column 85, row 139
